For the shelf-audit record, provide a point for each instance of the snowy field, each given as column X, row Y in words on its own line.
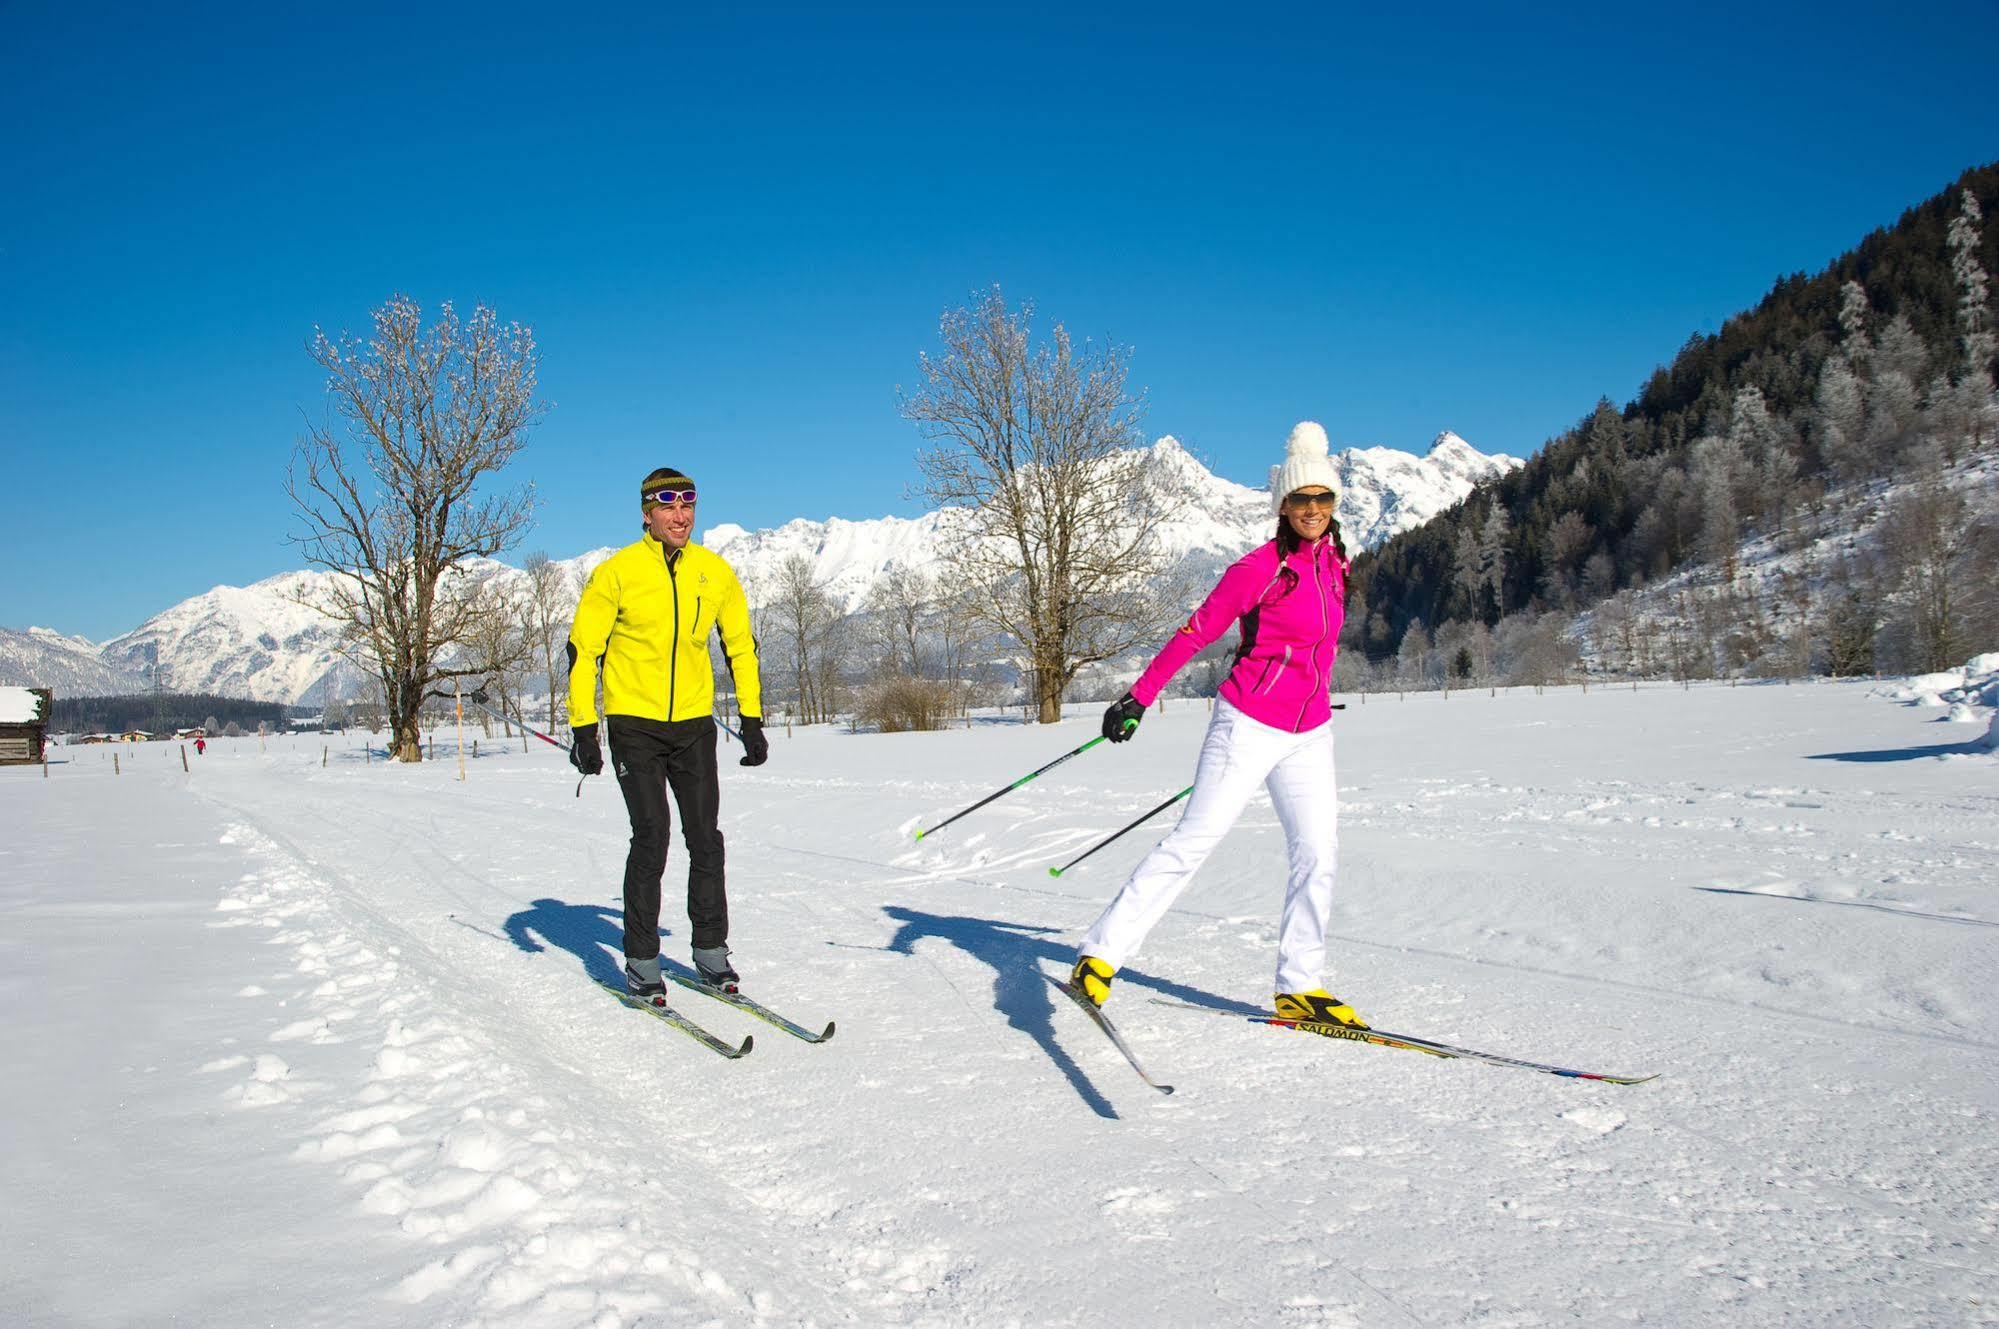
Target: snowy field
column 306, row 1045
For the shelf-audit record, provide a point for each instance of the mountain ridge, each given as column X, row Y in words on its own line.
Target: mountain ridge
column 260, row 642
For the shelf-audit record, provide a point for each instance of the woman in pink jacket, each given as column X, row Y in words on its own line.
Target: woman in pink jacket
column 1272, row 727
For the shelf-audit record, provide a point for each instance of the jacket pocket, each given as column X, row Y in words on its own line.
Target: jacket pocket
column 1272, row 672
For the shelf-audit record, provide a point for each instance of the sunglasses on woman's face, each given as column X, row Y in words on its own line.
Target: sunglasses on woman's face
column 668, row 497
column 1301, row 499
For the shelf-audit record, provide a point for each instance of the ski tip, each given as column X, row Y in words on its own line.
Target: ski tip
column 749, row 1041
column 1162, row 1088
column 828, row 1031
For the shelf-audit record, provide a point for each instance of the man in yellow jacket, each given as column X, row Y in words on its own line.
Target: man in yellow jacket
column 645, row 617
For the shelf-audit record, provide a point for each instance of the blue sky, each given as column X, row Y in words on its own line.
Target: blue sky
column 733, row 232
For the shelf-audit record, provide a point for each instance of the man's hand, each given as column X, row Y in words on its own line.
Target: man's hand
column 756, row 748
column 584, row 753
column 1121, row 718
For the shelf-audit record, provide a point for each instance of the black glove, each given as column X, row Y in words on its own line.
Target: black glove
column 756, row 748
column 584, row 753
column 1121, row 718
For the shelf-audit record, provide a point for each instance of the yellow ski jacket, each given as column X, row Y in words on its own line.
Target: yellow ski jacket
column 646, row 617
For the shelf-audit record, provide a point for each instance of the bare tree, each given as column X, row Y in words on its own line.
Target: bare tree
column 388, row 498
column 497, row 643
column 1941, row 549
column 899, row 609
column 551, row 603
column 1039, row 445
column 802, row 617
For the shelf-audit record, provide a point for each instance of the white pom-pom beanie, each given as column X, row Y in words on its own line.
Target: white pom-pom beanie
column 1305, row 463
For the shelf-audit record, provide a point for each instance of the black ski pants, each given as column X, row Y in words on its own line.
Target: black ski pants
column 651, row 756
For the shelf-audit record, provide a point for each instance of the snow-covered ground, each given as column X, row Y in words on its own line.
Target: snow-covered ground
column 316, row 1045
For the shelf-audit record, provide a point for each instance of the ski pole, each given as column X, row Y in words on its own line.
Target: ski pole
column 1056, row 872
column 1072, row 752
column 478, row 698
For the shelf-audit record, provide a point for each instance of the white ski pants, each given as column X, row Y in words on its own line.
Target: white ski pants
column 1238, row 755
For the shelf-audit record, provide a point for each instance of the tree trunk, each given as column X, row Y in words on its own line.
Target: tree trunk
column 405, row 701
column 1048, row 685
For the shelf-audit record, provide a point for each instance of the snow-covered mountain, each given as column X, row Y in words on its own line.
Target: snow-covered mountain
column 1203, row 520
column 264, row 642
column 73, row 666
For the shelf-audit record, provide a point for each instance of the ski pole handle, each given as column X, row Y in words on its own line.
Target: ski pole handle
column 1073, row 752
column 1056, row 872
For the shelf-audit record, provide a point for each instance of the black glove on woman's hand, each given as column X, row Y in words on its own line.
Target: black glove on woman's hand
column 584, row 753
column 756, row 748
column 1121, row 718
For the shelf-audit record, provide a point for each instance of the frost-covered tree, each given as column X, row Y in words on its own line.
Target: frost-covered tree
column 1469, row 569
column 1972, row 394
column 390, row 498
column 1764, row 440
column 1039, row 444
column 1899, row 364
column 1840, row 412
column 1716, row 465
column 1412, row 657
column 1853, row 311
column 1492, row 539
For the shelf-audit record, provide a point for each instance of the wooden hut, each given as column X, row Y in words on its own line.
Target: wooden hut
column 24, row 725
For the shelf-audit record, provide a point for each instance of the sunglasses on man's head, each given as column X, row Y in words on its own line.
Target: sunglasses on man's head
column 668, row 497
column 1302, row 499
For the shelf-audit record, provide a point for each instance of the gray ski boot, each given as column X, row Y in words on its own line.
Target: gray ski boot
column 642, row 978
column 712, row 964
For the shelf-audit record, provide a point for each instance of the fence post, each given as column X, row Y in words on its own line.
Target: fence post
column 183, row 758
column 114, row 765
column 323, row 749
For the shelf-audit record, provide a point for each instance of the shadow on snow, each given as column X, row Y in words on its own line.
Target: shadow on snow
column 593, row 933
column 1973, row 748
column 1022, row 991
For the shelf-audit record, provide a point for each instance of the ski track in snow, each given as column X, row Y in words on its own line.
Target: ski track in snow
column 398, row 1034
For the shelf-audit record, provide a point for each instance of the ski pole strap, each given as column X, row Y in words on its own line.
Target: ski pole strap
column 1001, row 793
column 1056, row 872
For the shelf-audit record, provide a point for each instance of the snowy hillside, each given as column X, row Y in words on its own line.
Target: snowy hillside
column 1777, row 585
column 260, row 642
column 371, row 1081
column 73, row 666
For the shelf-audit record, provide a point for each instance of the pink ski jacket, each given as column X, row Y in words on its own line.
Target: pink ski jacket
column 1289, row 615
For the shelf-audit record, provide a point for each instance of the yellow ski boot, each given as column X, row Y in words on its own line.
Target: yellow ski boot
column 1092, row 978
column 1318, row 1006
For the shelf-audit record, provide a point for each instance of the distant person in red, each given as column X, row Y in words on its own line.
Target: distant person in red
column 200, row 746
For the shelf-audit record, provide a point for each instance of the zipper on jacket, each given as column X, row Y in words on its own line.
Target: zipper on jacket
column 673, row 659
column 1325, row 628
